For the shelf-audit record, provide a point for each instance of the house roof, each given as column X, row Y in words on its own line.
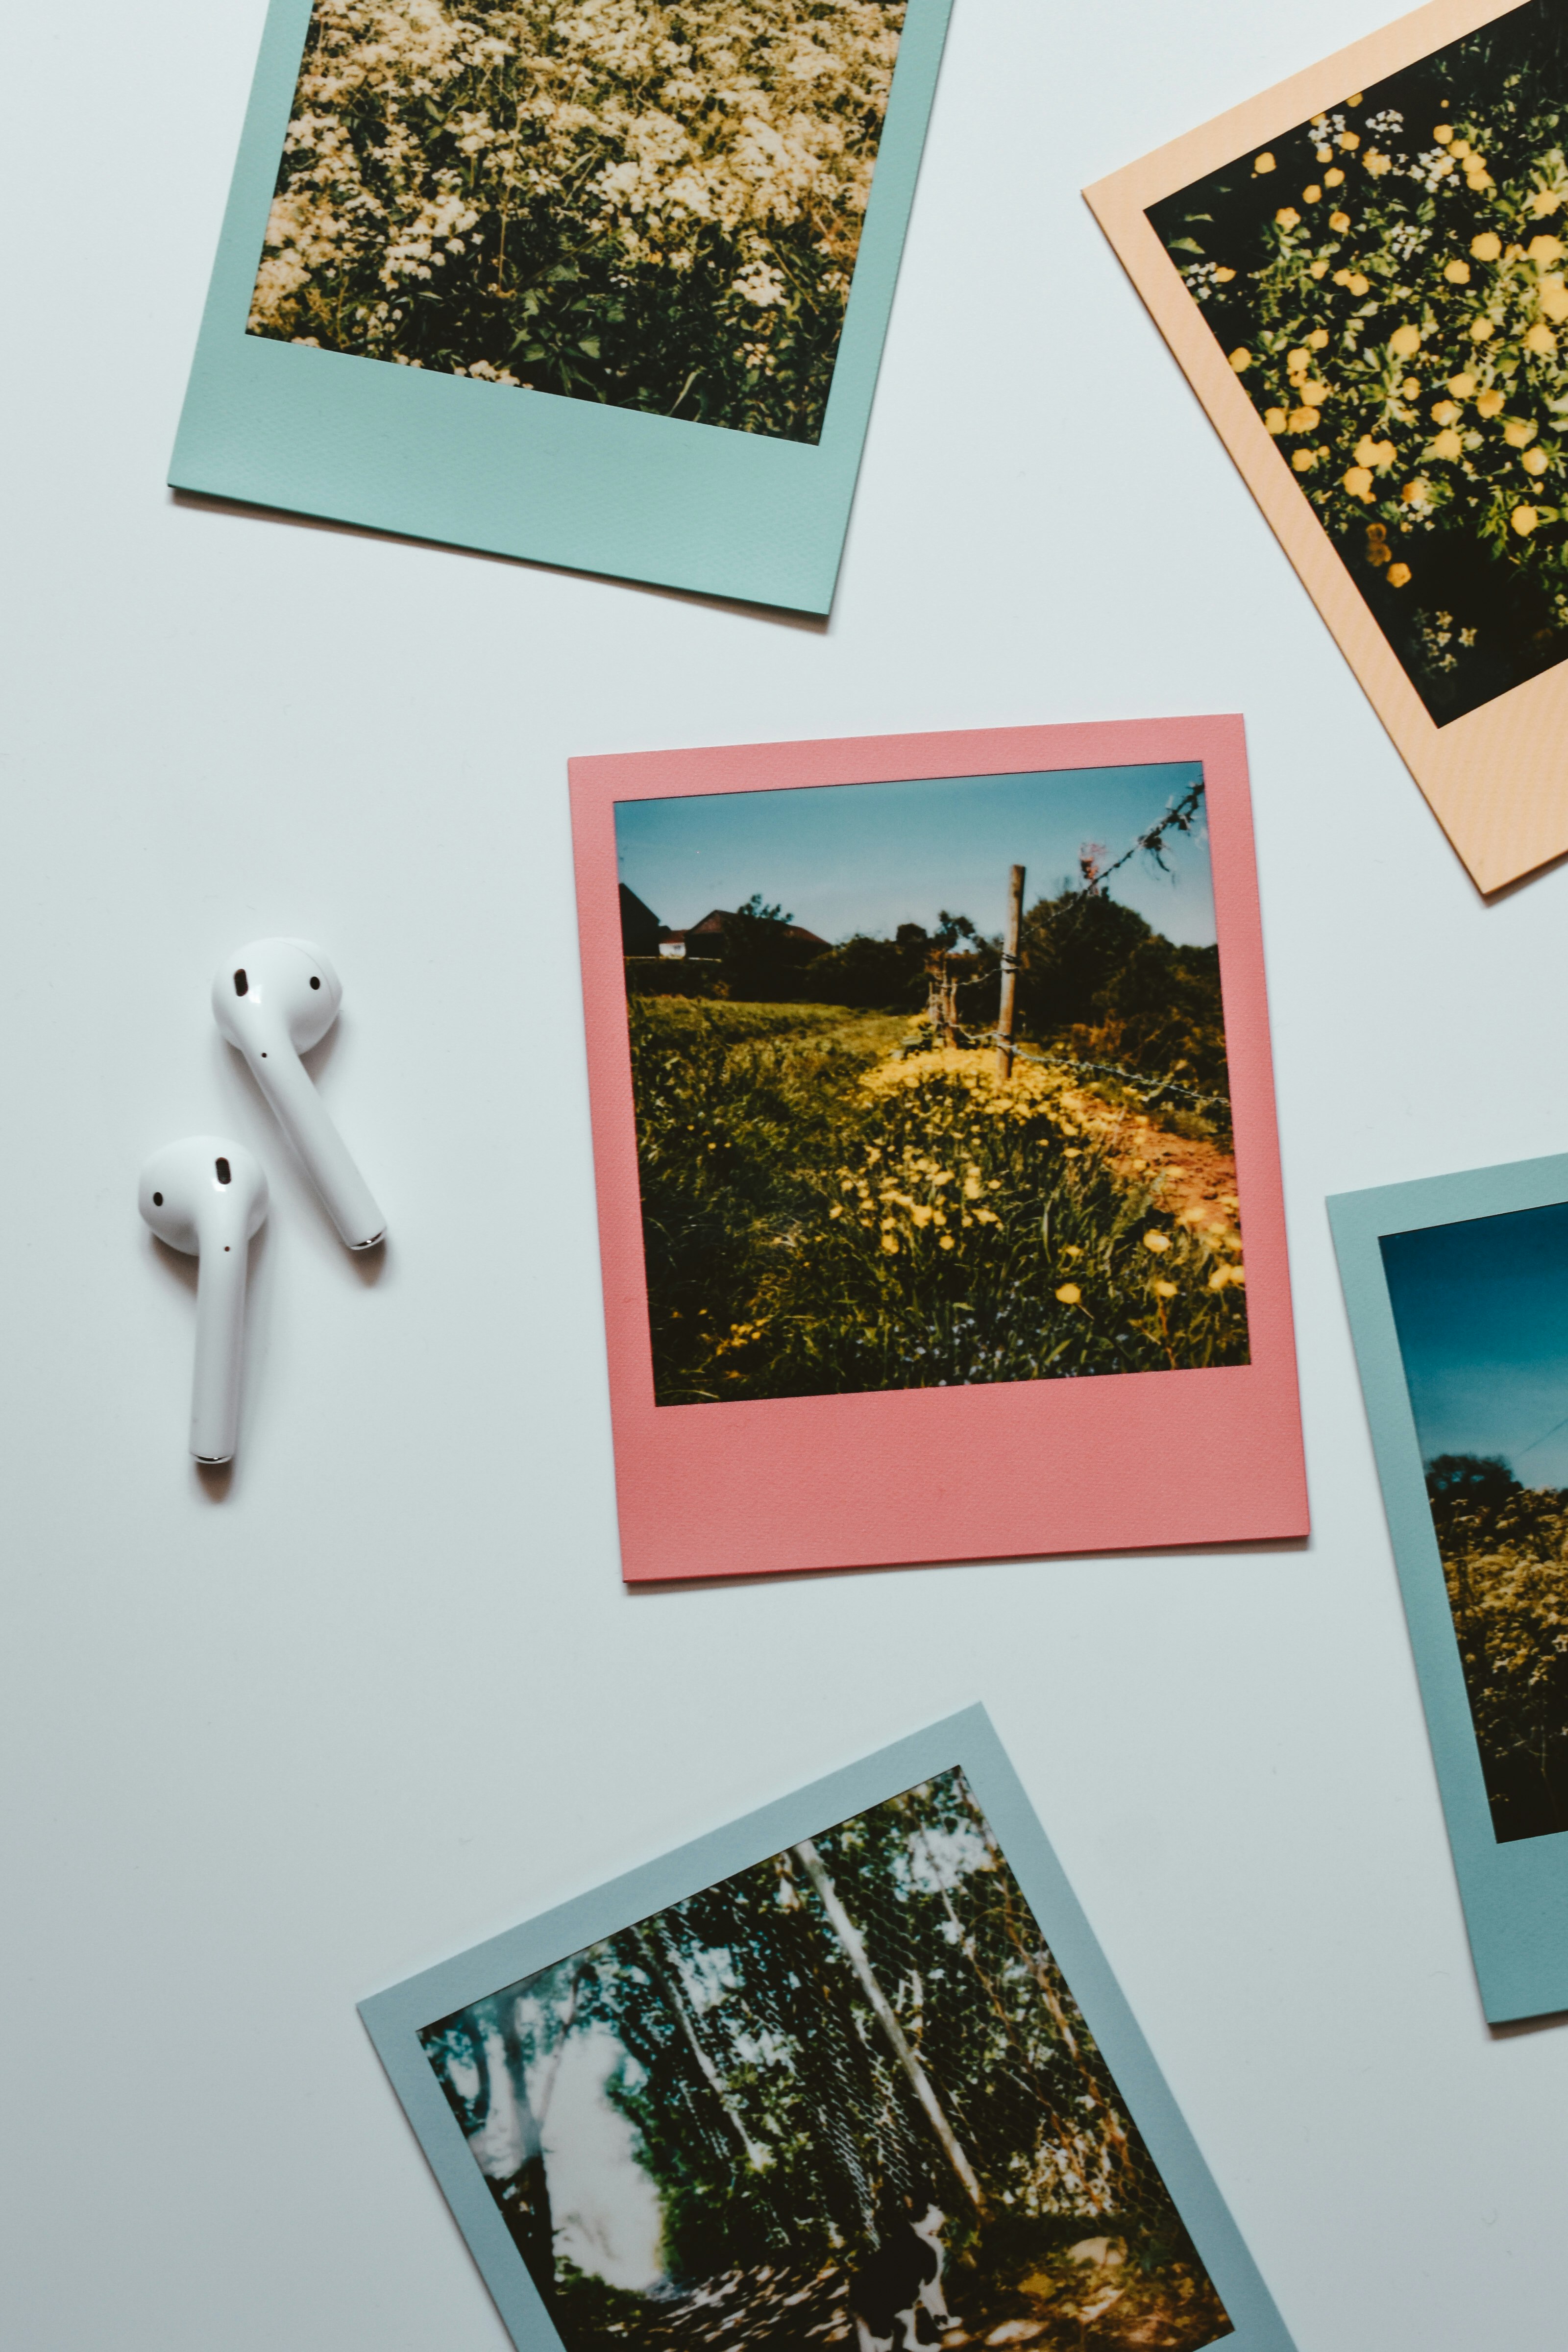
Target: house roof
column 718, row 918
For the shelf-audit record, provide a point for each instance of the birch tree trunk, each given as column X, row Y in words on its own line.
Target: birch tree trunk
column 919, row 2082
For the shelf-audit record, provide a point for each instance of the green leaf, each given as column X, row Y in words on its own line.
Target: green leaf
column 1185, row 245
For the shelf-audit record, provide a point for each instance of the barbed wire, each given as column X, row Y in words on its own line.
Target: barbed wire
column 1137, row 1082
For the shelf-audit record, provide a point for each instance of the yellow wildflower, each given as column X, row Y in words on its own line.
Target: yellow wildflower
column 1350, row 140
column 1318, row 340
column 1398, row 573
column 1318, row 269
column 1544, row 250
column 1164, row 1290
column 1358, row 482
column 1487, row 246
column 1463, row 387
column 1443, row 412
column 1156, row 1241
column 1304, row 460
column 1405, row 341
column 1069, row 1294
column 1443, row 133
column 1519, row 432
column 1457, row 273
column 1339, row 222
column 1287, row 216
column 1541, row 341
column 1263, row 164
column 1447, row 445
column 1489, row 404
column 1274, row 418
column 1525, row 520
column 1334, row 179
column 1312, row 195
column 1535, row 461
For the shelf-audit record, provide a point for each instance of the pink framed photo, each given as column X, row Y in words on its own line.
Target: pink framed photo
column 934, row 1130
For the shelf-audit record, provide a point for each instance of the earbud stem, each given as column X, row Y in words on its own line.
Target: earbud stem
column 220, row 1346
column 300, row 1112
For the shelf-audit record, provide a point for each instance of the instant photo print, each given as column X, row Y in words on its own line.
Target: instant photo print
column 602, row 287
column 851, row 2071
column 1457, row 1292
column 934, row 1130
column 1362, row 274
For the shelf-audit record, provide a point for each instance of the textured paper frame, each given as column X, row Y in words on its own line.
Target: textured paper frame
column 1515, row 1894
column 533, row 474
column 393, row 2017
column 1495, row 780
column 996, row 1470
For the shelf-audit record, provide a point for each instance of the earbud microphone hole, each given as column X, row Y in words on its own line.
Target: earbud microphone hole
column 225, row 1174
column 240, row 982
column 157, row 1199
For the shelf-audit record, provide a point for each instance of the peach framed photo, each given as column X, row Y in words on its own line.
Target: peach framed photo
column 1363, row 275
column 933, row 1128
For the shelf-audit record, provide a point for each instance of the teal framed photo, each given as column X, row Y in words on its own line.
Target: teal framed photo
column 1457, row 1292
column 852, row 2069
column 597, row 286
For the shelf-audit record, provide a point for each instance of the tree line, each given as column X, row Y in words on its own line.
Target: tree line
column 1094, row 977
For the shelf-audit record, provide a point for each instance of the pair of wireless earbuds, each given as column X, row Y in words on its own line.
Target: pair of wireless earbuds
column 276, row 1000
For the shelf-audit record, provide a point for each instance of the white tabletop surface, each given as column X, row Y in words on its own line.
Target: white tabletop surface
column 269, row 1750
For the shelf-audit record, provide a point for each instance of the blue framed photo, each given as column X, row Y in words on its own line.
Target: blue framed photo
column 1457, row 1292
column 595, row 282
column 851, row 2071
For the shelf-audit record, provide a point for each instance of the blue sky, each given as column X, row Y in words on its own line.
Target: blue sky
column 865, row 857
column 1482, row 1310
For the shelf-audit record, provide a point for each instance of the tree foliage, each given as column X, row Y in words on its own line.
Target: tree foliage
column 1504, row 1548
column 1097, row 977
column 776, row 2115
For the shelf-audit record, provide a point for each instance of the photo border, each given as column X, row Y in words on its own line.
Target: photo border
column 533, row 474
column 996, row 1469
column 394, row 2017
column 1515, row 1894
column 1495, row 780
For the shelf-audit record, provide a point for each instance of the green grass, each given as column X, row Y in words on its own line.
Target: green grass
column 809, row 1234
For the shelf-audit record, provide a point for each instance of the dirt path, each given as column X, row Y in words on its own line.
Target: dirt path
column 1197, row 1182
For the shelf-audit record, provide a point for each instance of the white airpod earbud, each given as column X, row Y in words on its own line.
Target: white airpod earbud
column 207, row 1196
column 274, row 1000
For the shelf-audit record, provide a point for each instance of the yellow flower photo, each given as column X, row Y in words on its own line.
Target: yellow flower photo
column 946, row 1101
column 1438, row 273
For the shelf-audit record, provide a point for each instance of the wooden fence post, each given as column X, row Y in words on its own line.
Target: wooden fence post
column 1009, row 974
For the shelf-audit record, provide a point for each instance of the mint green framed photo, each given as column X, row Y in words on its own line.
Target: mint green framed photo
column 1457, row 1292
column 604, row 295
column 851, row 2070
